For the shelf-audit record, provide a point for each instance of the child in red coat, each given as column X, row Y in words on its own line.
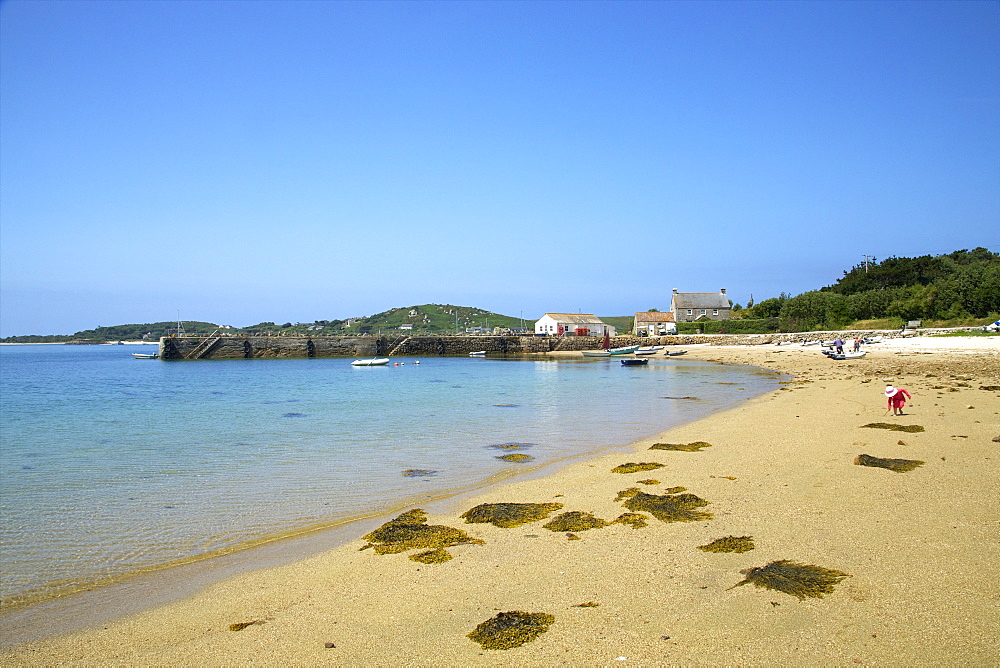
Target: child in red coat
column 896, row 399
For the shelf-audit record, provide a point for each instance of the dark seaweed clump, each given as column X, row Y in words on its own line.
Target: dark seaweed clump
column 634, row 520
column 729, row 544
column 633, row 467
column 990, row 388
column 912, row 428
column 410, row 531
column 794, row 579
column 511, row 446
column 575, row 520
column 438, row 556
column 239, row 626
column 518, row 457
column 897, row 465
column 511, row 629
column 509, row 515
column 683, row 447
column 417, row 473
column 666, row 507
column 648, row 481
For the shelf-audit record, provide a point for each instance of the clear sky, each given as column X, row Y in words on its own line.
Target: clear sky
column 237, row 162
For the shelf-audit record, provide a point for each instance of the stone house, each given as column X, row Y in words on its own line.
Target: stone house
column 654, row 323
column 691, row 306
column 573, row 324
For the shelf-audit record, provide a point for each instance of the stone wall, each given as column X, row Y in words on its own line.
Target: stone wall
column 263, row 347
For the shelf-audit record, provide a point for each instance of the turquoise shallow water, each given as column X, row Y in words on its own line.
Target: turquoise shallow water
column 109, row 464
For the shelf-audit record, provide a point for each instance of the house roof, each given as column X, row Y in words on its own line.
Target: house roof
column 575, row 318
column 654, row 316
column 700, row 300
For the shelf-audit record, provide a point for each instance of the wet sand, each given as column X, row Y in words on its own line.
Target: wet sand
column 921, row 547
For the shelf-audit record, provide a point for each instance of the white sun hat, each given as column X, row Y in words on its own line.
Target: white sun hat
column 890, row 391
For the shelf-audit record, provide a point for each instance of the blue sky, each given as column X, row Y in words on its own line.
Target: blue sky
column 237, row 162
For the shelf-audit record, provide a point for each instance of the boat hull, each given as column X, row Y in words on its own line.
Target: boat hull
column 378, row 361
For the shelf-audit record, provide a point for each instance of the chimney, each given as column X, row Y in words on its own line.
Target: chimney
column 723, row 291
column 675, row 291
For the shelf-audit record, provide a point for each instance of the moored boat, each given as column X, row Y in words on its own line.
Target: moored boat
column 145, row 356
column 624, row 350
column 478, row 353
column 635, row 362
column 377, row 361
column 596, row 353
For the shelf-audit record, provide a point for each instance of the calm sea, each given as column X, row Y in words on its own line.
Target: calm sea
column 111, row 465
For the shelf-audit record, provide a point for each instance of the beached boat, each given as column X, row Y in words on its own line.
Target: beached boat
column 634, row 362
column 145, row 356
column 624, row 350
column 478, row 353
column 377, row 361
column 596, row 353
column 675, row 353
column 848, row 356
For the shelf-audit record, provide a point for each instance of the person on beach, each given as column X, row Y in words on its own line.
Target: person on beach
column 857, row 344
column 839, row 345
column 896, row 399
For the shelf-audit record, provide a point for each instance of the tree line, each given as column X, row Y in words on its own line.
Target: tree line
column 963, row 285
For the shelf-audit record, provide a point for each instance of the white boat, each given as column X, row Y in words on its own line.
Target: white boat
column 145, row 356
column 624, row 350
column 596, row 353
column 377, row 361
column 675, row 353
column 645, row 352
column 478, row 353
column 848, row 356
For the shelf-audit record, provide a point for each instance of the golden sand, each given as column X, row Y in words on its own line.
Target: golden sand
column 915, row 555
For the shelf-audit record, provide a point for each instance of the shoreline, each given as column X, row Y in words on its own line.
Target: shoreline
column 779, row 468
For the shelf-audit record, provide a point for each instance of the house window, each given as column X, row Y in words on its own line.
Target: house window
column 690, row 311
column 715, row 311
column 704, row 312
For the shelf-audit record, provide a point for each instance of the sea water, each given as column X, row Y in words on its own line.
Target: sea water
column 111, row 465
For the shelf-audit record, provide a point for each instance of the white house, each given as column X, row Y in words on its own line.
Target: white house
column 654, row 323
column 573, row 324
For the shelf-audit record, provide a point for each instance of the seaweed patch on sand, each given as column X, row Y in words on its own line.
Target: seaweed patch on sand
column 634, row 520
column 410, row 531
column 511, row 629
column 799, row 580
column 729, row 544
column 670, row 507
column 911, row 428
column 418, row 473
column 575, row 520
column 648, row 481
column 509, row 515
column 897, row 465
column 239, row 626
column 632, row 467
column 681, row 447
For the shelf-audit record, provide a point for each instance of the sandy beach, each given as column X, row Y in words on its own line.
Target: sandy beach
column 917, row 552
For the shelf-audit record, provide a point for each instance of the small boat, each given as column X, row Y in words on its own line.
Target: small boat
column 847, row 356
column 675, row 353
column 624, row 350
column 596, row 353
column 377, row 361
column 872, row 339
column 478, row 353
column 145, row 356
column 634, row 362
column 645, row 352
column 813, row 342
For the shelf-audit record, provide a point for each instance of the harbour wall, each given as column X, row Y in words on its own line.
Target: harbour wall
column 271, row 347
